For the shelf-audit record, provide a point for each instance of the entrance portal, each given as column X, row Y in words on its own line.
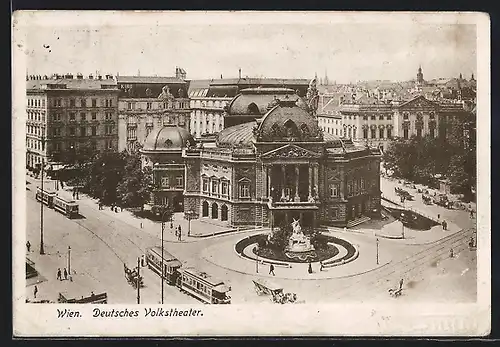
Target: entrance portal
column 215, row 211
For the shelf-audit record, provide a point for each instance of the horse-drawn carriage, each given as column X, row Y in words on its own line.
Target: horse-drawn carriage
column 133, row 277
column 395, row 292
column 403, row 194
column 263, row 287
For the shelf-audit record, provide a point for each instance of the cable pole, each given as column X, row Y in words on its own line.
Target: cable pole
column 138, row 280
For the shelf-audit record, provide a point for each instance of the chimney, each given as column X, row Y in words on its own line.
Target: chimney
column 220, row 76
column 79, row 76
column 91, row 77
column 239, row 73
column 99, row 77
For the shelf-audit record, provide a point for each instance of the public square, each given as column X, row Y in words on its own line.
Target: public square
column 103, row 240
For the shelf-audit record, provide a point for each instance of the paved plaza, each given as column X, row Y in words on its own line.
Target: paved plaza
column 102, row 241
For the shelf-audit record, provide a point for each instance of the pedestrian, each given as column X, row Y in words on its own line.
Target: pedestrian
column 142, row 260
column 271, row 269
column 59, row 274
column 445, row 225
column 439, row 216
column 471, row 213
column 65, row 274
column 310, row 269
column 171, row 225
column 451, row 253
column 28, row 246
column 320, row 266
column 401, row 284
column 35, row 291
column 74, row 194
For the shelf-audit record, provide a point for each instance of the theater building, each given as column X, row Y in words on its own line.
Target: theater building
column 267, row 170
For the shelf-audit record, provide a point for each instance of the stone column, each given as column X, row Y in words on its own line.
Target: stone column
column 316, row 180
column 283, row 181
column 268, row 173
column 297, row 171
column 310, row 182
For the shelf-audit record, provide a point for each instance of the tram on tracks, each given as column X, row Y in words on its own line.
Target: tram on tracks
column 204, row 287
column 66, row 206
column 171, row 264
column 45, row 195
column 198, row 284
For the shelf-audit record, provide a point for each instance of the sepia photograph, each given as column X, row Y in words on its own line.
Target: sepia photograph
column 250, row 173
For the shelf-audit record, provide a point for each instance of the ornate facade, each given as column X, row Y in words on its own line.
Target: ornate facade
column 148, row 103
column 70, row 114
column 280, row 165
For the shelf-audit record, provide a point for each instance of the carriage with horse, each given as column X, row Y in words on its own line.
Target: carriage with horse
column 132, row 276
column 263, row 287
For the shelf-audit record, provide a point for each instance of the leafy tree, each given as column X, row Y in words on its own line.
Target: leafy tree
column 279, row 238
column 135, row 187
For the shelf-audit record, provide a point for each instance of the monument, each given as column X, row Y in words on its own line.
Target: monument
column 298, row 242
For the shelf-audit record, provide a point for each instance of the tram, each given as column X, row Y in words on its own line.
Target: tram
column 170, row 264
column 66, row 206
column 204, row 287
column 45, row 195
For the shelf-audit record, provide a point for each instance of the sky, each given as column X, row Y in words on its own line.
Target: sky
column 347, row 52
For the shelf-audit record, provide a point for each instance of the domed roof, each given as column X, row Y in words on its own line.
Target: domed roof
column 237, row 135
column 256, row 101
column 168, row 138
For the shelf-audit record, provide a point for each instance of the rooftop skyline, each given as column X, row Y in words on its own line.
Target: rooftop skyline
column 218, row 44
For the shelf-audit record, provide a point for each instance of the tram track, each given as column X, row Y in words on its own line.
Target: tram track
column 411, row 264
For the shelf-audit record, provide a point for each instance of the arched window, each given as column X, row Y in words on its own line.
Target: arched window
column 215, row 211
column 291, row 128
column 204, row 209
column 253, row 108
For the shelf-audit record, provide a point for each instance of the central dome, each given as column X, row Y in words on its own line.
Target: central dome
column 168, row 138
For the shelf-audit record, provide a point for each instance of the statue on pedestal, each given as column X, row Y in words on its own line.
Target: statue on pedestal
column 298, row 242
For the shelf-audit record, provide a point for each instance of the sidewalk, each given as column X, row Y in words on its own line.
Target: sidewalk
column 199, row 228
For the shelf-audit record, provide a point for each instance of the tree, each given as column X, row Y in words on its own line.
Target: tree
column 135, row 187
column 279, row 238
column 104, row 174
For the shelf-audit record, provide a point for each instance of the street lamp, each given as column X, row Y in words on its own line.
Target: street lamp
column 377, row 250
column 162, row 231
column 402, row 225
column 69, row 261
column 257, row 259
column 42, row 250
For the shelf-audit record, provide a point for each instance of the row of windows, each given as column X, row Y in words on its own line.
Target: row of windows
column 355, row 187
column 172, row 119
column 83, row 131
column 209, row 103
column 150, row 105
column 195, row 285
column 34, row 130
column 418, row 132
column 73, row 145
column 373, row 117
column 34, row 144
column 330, row 130
column 323, row 120
column 216, row 187
column 36, row 116
column 165, row 182
column 83, row 103
column 36, row 102
column 83, row 116
column 373, row 133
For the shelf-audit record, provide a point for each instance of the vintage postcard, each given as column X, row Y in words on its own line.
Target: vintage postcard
column 251, row 173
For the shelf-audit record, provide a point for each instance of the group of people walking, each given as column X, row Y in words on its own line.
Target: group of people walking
column 61, row 274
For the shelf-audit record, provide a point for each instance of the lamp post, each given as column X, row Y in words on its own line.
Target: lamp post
column 377, row 250
column 257, row 259
column 42, row 250
column 69, row 261
column 162, row 267
column 402, row 225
